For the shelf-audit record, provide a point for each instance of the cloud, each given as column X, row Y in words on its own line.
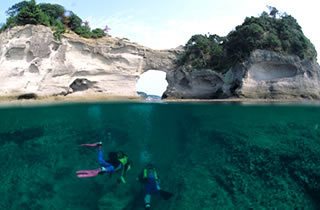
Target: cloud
column 170, row 33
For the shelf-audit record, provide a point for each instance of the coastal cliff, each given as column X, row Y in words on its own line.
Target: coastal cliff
column 271, row 75
column 266, row 57
column 264, row 75
column 33, row 61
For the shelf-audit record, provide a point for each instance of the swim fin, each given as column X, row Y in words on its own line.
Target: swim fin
column 89, row 173
column 165, row 195
column 92, row 145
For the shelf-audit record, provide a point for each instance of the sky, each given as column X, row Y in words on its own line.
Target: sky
column 152, row 82
column 169, row 23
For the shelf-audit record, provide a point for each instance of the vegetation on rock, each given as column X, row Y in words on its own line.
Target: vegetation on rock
column 275, row 31
column 53, row 15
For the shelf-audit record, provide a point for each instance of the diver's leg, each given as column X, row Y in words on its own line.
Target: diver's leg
column 102, row 162
column 147, row 201
column 147, row 197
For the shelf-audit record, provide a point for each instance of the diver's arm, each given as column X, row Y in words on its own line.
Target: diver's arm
column 118, row 167
column 122, row 175
column 158, row 185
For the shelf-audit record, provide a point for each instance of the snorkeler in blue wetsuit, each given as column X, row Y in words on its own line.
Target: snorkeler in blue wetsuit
column 117, row 161
column 150, row 179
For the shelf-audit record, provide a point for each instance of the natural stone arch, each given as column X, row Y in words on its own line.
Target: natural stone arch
column 152, row 82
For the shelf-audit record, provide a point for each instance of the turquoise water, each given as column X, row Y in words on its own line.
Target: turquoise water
column 210, row 155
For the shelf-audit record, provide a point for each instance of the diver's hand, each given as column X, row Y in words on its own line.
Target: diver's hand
column 122, row 179
column 158, row 186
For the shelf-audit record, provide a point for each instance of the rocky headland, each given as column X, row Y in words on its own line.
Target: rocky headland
column 265, row 75
column 33, row 64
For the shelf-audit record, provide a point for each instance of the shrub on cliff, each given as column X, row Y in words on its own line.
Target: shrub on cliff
column 55, row 12
column 73, row 21
column 53, row 15
column 58, row 28
column 97, row 33
column 273, row 31
column 84, row 31
column 25, row 12
column 204, row 51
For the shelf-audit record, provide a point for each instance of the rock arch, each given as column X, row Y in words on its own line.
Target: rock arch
column 152, row 82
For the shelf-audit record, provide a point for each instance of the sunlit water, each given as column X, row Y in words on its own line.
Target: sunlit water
column 39, row 151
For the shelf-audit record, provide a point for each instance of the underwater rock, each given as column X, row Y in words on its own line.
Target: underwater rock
column 117, row 201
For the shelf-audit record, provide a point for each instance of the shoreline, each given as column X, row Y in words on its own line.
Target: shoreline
column 8, row 101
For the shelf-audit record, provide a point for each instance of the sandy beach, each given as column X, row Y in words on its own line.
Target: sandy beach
column 47, row 100
column 81, row 98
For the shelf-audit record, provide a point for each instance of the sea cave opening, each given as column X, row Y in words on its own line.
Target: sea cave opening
column 152, row 84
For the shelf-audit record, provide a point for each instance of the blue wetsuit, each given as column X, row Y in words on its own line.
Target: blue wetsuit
column 151, row 185
column 108, row 166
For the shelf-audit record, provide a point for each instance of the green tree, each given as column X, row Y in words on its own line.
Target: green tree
column 198, row 51
column 58, row 28
column 272, row 42
column 84, row 31
column 243, row 40
column 273, row 31
column 53, row 15
column 31, row 14
column 273, row 11
column 74, row 22
column 15, row 9
column 53, row 11
column 26, row 12
column 217, row 52
column 98, row 33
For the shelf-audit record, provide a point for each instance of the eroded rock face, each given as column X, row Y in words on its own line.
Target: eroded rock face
column 266, row 75
column 205, row 84
column 32, row 61
column 270, row 75
column 80, row 85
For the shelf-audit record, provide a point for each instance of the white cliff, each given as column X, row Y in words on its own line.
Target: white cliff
column 32, row 61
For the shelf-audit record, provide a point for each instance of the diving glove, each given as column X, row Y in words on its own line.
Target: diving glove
column 122, row 179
